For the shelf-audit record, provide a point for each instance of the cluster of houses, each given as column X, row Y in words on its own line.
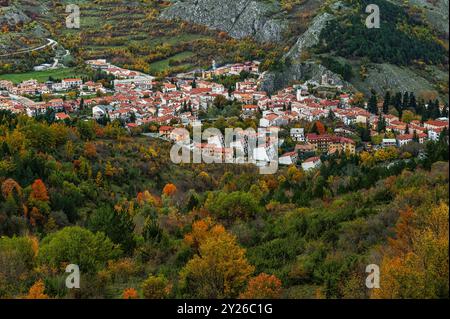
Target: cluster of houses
column 123, row 76
column 415, row 131
column 17, row 98
column 34, row 88
column 251, row 67
column 138, row 100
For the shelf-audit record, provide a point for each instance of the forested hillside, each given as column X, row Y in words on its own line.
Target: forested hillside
column 139, row 226
column 402, row 39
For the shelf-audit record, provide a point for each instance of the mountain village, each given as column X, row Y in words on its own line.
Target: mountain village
column 138, row 100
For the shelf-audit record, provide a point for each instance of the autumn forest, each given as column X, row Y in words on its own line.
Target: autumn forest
column 139, row 226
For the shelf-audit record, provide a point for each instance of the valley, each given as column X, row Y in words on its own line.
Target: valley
column 94, row 120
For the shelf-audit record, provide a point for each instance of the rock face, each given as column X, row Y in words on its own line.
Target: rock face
column 239, row 18
column 311, row 37
column 436, row 12
column 300, row 71
column 384, row 77
column 303, row 71
column 12, row 16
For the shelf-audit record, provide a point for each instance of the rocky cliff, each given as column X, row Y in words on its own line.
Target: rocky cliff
column 436, row 12
column 384, row 77
column 311, row 37
column 12, row 16
column 239, row 18
column 301, row 72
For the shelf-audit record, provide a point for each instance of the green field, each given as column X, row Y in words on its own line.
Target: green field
column 164, row 64
column 42, row 76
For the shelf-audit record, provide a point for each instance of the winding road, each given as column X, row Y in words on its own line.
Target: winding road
column 56, row 60
column 51, row 43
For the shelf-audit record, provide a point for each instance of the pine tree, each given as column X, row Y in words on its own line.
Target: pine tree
column 434, row 111
column 373, row 104
column 398, row 104
column 387, row 102
column 398, row 100
column 381, row 124
column 437, row 109
column 421, row 110
column 412, row 102
column 405, row 103
column 400, row 112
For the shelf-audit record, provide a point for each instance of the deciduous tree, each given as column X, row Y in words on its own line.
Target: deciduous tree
column 415, row 263
column 37, row 291
column 219, row 270
column 130, row 293
column 76, row 245
column 156, row 287
column 169, row 190
column 263, row 286
column 39, row 191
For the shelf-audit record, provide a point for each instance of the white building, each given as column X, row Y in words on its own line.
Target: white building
column 289, row 158
column 311, row 163
column 389, row 142
column 71, row 83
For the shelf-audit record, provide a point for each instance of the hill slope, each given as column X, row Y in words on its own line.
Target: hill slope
column 411, row 32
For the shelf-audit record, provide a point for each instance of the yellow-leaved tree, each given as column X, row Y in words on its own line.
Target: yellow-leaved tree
column 415, row 263
column 219, row 269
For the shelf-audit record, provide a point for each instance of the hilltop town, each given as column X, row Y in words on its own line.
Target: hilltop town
column 138, row 101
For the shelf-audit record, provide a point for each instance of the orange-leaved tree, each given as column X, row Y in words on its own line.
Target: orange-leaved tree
column 9, row 186
column 202, row 230
column 156, row 287
column 130, row 293
column 39, row 191
column 320, row 128
column 263, row 286
column 169, row 190
column 37, row 291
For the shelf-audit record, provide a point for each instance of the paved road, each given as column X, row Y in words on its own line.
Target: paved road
column 51, row 43
column 22, row 99
column 56, row 60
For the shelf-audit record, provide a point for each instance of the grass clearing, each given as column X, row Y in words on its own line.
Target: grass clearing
column 42, row 76
column 164, row 64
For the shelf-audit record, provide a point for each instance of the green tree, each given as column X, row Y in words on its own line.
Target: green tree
column 233, row 205
column 16, row 264
column 386, row 102
column 118, row 226
column 373, row 104
column 76, row 245
column 381, row 126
